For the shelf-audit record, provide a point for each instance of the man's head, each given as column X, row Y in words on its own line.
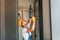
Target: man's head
column 24, row 23
column 19, row 16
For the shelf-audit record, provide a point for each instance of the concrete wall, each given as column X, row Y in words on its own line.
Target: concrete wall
column 25, row 14
column 55, row 18
column 24, row 5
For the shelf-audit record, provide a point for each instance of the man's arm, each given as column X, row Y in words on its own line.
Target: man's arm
column 31, row 29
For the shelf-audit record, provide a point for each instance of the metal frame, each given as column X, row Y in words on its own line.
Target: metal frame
column 40, row 18
column 50, row 19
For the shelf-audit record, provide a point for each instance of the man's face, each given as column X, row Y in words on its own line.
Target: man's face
column 24, row 24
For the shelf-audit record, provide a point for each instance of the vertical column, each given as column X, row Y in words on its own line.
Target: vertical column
column 2, row 21
column 46, row 19
column 41, row 20
column 10, row 19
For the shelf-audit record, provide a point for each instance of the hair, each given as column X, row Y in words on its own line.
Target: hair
column 18, row 14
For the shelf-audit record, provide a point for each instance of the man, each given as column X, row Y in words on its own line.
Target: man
column 28, row 27
column 25, row 28
column 22, row 24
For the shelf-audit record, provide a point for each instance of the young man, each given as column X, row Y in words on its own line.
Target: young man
column 28, row 27
column 25, row 28
column 22, row 24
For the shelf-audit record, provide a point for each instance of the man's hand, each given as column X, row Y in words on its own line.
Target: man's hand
column 29, row 30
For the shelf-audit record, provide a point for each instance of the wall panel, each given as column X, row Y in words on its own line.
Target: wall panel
column 46, row 20
column 10, row 19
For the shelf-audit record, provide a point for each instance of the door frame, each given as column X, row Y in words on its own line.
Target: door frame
column 40, row 18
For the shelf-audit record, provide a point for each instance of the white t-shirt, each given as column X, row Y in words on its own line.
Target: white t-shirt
column 24, row 33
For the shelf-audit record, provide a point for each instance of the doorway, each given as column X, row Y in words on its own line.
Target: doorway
column 11, row 18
